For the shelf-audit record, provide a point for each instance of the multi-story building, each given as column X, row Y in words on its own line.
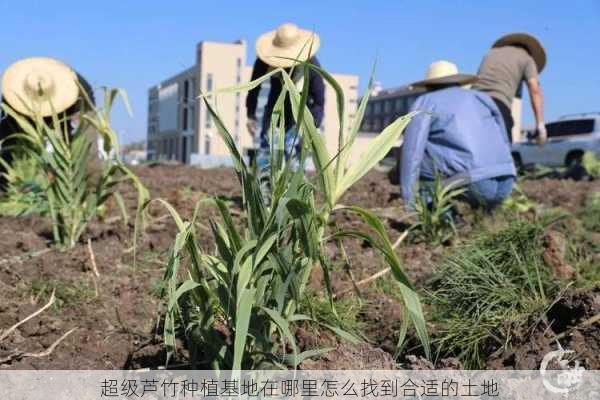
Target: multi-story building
column 172, row 121
column 180, row 128
column 385, row 105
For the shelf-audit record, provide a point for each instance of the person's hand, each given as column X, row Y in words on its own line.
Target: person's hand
column 542, row 135
column 252, row 125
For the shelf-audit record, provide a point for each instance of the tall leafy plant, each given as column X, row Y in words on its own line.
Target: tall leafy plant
column 62, row 155
column 25, row 190
column 232, row 304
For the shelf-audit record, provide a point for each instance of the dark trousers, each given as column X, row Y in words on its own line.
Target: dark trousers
column 507, row 117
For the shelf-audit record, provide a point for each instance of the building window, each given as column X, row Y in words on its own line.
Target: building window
column 377, row 107
column 186, row 90
column 388, row 106
column 369, row 109
column 185, row 118
column 236, row 137
column 366, row 125
column 207, row 144
column 184, row 150
column 239, row 70
column 400, row 105
column 376, row 124
column 209, row 88
column 209, row 82
column 193, row 116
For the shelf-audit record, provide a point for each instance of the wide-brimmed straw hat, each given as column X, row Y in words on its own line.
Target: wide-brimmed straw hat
column 530, row 42
column 444, row 73
column 279, row 48
column 39, row 85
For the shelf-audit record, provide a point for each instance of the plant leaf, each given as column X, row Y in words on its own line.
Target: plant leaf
column 375, row 152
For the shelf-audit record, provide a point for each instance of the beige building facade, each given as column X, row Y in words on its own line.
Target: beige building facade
column 180, row 127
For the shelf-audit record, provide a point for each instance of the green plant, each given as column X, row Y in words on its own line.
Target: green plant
column 67, row 294
column 538, row 171
column 346, row 315
column 238, row 306
column 487, row 288
column 591, row 164
column 25, row 188
column 595, row 200
column 590, row 215
column 434, row 210
column 61, row 158
column 518, row 201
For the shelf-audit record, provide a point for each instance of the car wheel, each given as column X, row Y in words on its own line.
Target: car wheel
column 574, row 158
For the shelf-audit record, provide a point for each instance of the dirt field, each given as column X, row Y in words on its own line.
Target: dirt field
column 115, row 314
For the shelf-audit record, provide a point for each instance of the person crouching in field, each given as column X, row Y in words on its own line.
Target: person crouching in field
column 49, row 88
column 459, row 136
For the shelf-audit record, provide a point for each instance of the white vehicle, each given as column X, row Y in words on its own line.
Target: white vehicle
column 568, row 139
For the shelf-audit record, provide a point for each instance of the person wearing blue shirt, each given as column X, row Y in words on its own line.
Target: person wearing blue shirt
column 457, row 134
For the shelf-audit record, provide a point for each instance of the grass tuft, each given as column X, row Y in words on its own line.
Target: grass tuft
column 434, row 208
column 487, row 288
column 67, row 294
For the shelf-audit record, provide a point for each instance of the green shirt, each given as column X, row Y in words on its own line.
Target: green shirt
column 502, row 70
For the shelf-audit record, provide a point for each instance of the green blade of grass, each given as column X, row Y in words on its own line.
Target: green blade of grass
column 243, row 315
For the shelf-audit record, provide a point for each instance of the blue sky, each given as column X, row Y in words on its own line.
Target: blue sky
column 134, row 44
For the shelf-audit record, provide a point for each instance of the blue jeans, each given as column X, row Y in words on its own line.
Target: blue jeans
column 486, row 194
column 489, row 193
column 291, row 148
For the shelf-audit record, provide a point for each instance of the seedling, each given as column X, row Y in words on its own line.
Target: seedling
column 60, row 159
column 238, row 306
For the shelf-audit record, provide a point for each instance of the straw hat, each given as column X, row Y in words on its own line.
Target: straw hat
column 39, row 84
column 533, row 45
column 444, row 73
column 287, row 41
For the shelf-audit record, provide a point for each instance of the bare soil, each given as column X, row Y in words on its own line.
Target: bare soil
column 115, row 314
column 566, row 324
